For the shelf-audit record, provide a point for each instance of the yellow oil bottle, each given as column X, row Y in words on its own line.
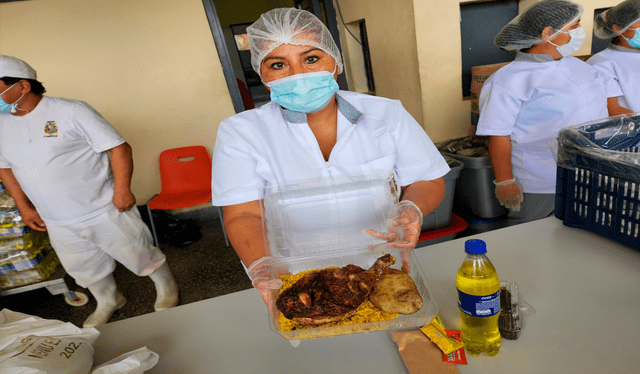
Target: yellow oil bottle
column 478, row 300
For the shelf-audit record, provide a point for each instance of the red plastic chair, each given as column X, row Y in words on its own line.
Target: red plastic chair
column 186, row 181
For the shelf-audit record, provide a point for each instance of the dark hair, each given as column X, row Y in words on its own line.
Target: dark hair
column 36, row 87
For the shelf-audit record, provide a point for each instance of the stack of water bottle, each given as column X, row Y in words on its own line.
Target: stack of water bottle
column 26, row 256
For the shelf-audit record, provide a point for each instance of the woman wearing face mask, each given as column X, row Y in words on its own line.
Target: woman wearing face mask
column 620, row 62
column 525, row 103
column 309, row 130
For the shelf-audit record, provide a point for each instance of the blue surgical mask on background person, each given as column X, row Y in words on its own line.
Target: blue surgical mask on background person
column 306, row 93
column 5, row 107
column 635, row 40
column 577, row 38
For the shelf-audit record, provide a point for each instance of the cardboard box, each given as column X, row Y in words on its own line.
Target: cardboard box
column 479, row 74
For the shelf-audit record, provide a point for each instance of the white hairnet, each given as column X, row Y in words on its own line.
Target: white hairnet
column 525, row 30
column 288, row 26
column 623, row 15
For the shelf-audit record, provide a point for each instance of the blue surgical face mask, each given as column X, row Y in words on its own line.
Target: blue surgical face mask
column 635, row 41
column 306, row 93
column 577, row 38
column 5, row 107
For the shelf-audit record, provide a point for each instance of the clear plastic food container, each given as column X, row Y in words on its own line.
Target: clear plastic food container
column 513, row 311
column 314, row 225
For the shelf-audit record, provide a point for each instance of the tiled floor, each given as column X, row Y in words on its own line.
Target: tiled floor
column 204, row 269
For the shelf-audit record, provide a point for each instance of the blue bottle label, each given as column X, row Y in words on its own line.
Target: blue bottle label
column 479, row 306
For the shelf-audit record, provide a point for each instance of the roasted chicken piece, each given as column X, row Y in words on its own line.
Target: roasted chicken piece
column 330, row 295
column 395, row 292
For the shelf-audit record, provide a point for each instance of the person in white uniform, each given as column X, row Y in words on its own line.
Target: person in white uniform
column 310, row 129
column 525, row 103
column 69, row 172
column 620, row 61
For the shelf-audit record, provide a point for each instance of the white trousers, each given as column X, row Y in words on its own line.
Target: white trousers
column 88, row 250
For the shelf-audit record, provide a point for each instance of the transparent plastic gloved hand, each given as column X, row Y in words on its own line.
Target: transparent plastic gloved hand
column 264, row 274
column 509, row 194
column 403, row 231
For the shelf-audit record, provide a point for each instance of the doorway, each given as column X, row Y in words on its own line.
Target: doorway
column 228, row 20
column 480, row 22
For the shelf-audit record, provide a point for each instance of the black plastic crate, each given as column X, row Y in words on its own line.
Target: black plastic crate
column 598, row 178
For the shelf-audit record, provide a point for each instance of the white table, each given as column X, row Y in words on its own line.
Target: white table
column 584, row 288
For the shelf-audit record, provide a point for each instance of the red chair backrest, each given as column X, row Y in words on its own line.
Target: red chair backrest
column 185, row 169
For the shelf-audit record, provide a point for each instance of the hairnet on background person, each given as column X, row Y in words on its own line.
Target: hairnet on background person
column 623, row 15
column 525, row 30
column 288, row 26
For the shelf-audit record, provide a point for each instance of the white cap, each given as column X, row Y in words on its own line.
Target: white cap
column 15, row 68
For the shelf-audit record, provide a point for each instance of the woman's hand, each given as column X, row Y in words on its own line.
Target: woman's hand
column 508, row 191
column 403, row 232
column 264, row 275
column 509, row 194
column 404, row 228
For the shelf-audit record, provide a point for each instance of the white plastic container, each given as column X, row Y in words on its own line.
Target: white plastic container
column 313, row 225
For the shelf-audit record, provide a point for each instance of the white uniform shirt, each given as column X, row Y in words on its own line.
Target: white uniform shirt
column 620, row 68
column 273, row 145
column 57, row 154
column 530, row 100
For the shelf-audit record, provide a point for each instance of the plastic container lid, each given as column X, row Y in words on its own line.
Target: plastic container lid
column 475, row 247
column 330, row 215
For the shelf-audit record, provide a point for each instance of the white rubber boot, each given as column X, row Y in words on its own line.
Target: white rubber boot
column 108, row 298
column 166, row 288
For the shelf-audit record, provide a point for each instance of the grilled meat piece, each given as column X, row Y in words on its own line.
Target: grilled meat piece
column 330, row 295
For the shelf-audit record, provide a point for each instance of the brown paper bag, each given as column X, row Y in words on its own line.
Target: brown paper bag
column 420, row 355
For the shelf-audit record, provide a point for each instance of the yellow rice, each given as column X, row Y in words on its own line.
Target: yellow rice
column 367, row 312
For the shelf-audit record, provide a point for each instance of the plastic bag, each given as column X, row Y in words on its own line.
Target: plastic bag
column 610, row 146
column 32, row 345
column 134, row 362
column 48, row 354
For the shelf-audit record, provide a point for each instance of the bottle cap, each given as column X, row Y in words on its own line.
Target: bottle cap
column 475, row 247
